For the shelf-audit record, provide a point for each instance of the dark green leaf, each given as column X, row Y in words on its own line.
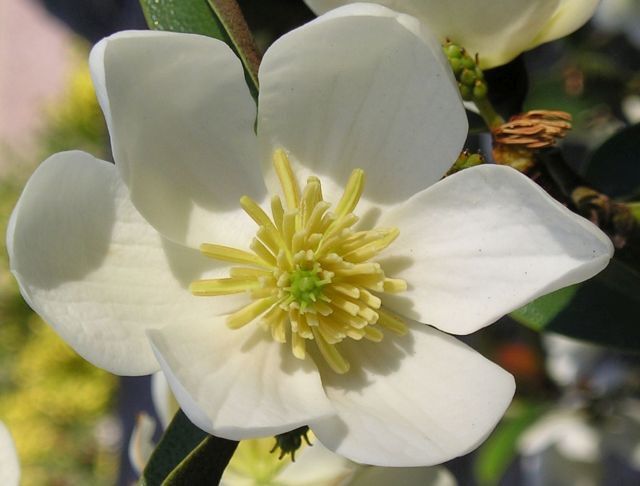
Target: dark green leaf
column 204, row 465
column 495, row 455
column 220, row 19
column 180, row 438
column 604, row 310
column 614, row 168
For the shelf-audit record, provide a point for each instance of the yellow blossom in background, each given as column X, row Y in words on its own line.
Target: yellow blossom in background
column 51, row 400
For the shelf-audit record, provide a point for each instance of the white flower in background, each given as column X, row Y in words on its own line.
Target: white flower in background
column 9, row 465
column 631, row 108
column 620, row 16
column 498, row 30
column 314, row 322
column 253, row 462
column 572, row 363
column 568, row 360
column 569, row 444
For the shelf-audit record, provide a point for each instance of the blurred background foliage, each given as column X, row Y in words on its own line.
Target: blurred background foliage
column 65, row 415
column 57, row 406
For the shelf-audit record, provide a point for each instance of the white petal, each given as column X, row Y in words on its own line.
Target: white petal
column 94, row 269
column 414, row 476
column 569, row 16
column 482, row 243
column 181, row 122
column 497, row 30
column 364, row 88
column 240, row 383
column 418, row 400
column 9, row 465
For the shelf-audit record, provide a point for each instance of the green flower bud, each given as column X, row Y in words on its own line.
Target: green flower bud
column 467, row 72
column 467, row 77
column 480, row 90
column 456, row 65
column 453, row 51
column 468, row 62
column 466, row 92
column 465, row 160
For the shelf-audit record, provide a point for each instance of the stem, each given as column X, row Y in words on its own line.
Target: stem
column 230, row 14
column 488, row 112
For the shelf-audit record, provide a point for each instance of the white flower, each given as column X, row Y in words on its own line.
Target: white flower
column 9, row 465
column 498, row 30
column 107, row 253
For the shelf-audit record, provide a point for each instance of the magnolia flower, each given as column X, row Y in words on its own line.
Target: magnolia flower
column 497, row 30
column 9, row 465
column 317, row 320
column 256, row 463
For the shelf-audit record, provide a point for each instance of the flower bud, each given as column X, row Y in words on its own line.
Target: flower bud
column 465, row 68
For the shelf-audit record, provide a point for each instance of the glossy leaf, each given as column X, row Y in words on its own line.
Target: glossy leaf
column 614, row 167
column 180, row 438
column 220, row 19
column 604, row 310
column 205, row 464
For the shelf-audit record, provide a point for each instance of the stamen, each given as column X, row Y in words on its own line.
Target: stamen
column 309, row 274
column 250, row 312
column 243, row 272
column 331, row 354
column 263, row 252
column 368, row 251
column 277, row 211
column 369, row 299
column 392, row 322
column 298, row 346
column 222, row 286
column 394, row 285
column 373, row 334
column 233, row 255
column 254, row 211
column 287, row 180
column 352, row 193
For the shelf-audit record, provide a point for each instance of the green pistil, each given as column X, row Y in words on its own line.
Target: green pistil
column 306, row 286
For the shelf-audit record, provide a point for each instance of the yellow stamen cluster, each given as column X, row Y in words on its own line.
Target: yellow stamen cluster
column 309, row 272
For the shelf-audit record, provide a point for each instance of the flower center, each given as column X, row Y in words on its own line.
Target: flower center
column 309, row 273
column 306, row 285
